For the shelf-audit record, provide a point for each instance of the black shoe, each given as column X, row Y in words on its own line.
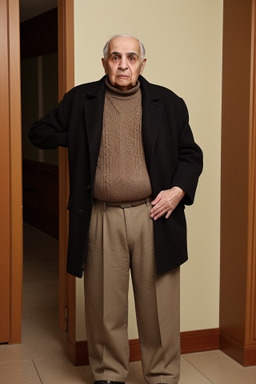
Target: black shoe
column 108, row 382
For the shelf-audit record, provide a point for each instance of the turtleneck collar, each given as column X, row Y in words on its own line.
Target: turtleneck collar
column 119, row 92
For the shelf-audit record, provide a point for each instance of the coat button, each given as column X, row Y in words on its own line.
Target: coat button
column 88, row 188
column 80, row 212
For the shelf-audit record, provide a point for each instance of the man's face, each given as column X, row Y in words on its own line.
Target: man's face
column 124, row 65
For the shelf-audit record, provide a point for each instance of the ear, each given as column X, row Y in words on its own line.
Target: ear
column 104, row 64
column 143, row 66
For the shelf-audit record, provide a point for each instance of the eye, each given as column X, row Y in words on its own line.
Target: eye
column 132, row 58
column 115, row 58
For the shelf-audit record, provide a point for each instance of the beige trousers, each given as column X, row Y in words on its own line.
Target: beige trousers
column 121, row 239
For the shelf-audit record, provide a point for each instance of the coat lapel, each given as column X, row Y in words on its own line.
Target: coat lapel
column 93, row 110
column 151, row 116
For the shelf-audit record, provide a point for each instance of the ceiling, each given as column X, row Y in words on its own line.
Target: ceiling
column 31, row 8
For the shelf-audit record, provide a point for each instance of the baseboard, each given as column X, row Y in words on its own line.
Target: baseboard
column 199, row 341
column 244, row 355
column 135, row 350
column 193, row 341
column 77, row 352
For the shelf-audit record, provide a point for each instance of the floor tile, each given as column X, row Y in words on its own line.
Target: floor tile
column 60, row 370
column 220, row 369
column 41, row 336
column 20, row 372
column 191, row 375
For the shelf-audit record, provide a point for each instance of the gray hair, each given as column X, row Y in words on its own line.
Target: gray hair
column 105, row 49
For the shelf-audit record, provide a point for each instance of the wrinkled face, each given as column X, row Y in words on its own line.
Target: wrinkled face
column 124, row 65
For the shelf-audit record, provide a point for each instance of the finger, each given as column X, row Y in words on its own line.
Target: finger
column 164, row 204
column 157, row 199
column 159, row 213
column 168, row 214
column 157, row 207
column 160, row 210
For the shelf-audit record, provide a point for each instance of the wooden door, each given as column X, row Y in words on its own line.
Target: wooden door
column 253, row 189
column 5, row 180
column 10, row 173
column 238, row 184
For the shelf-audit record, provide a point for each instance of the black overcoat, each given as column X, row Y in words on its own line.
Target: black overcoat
column 172, row 157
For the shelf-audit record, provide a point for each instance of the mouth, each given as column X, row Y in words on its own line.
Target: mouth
column 122, row 76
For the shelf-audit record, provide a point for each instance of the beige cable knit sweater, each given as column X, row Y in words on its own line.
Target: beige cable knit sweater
column 121, row 173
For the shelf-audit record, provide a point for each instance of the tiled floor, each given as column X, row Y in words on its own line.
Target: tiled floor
column 40, row 359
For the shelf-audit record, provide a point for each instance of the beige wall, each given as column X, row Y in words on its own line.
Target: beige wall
column 183, row 40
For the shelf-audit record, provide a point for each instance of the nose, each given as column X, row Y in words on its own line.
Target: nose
column 123, row 63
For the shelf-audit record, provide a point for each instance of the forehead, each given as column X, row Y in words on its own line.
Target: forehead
column 124, row 45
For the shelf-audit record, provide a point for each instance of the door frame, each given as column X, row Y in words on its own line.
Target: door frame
column 16, row 249
column 67, row 284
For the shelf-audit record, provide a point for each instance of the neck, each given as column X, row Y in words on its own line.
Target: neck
column 118, row 91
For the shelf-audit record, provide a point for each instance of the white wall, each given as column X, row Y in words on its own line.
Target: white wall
column 183, row 40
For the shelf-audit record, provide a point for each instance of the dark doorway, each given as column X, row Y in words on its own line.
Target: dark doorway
column 39, row 94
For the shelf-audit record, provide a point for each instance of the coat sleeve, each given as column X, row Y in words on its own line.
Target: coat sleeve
column 51, row 131
column 190, row 158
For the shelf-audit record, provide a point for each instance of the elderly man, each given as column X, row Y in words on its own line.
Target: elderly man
column 133, row 165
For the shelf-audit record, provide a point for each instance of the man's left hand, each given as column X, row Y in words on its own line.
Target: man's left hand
column 165, row 202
